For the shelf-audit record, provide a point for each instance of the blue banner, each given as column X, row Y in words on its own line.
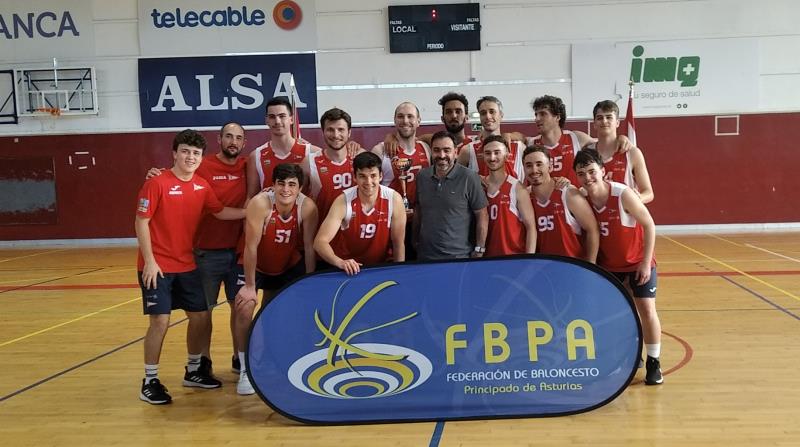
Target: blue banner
column 509, row 337
column 210, row 91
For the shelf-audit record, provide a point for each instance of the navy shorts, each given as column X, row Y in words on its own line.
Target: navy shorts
column 174, row 291
column 217, row 267
column 646, row 290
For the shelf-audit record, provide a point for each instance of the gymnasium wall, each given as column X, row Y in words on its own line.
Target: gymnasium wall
column 699, row 178
column 527, row 49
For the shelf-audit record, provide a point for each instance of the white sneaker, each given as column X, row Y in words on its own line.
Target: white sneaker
column 244, row 387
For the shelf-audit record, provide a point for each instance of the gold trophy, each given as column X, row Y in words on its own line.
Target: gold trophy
column 403, row 165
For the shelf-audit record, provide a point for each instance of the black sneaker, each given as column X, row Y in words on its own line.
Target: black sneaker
column 205, row 367
column 653, row 375
column 641, row 363
column 236, row 365
column 155, row 393
column 200, row 380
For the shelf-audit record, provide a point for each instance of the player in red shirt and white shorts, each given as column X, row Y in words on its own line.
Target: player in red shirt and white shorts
column 366, row 224
column 627, row 245
column 170, row 208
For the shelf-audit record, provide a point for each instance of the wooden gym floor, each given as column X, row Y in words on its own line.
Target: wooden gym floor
column 70, row 344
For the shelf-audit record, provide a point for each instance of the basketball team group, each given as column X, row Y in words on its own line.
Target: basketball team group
column 259, row 221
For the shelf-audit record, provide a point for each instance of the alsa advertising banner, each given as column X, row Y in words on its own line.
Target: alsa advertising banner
column 43, row 29
column 210, row 91
column 681, row 77
column 201, row 27
column 512, row 337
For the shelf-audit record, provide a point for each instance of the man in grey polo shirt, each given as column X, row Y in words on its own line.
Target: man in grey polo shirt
column 450, row 199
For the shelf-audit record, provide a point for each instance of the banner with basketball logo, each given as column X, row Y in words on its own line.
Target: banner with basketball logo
column 208, row 27
column 513, row 337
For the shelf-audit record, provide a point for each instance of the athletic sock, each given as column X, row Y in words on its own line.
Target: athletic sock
column 241, row 361
column 150, row 373
column 194, row 362
column 653, row 350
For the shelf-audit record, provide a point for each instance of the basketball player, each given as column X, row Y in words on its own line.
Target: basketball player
column 512, row 228
column 330, row 170
column 627, row 244
column 455, row 108
column 281, row 148
column 170, row 208
column 400, row 171
column 411, row 157
column 565, row 223
column 471, row 155
column 621, row 167
column 278, row 221
column 366, row 224
column 550, row 115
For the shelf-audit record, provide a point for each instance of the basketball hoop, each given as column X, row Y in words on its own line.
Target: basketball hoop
column 53, row 111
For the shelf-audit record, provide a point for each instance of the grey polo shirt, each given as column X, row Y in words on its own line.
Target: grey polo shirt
column 447, row 209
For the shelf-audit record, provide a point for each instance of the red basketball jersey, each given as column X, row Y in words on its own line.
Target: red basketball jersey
column 365, row 235
column 230, row 186
column 507, row 233
column 174, row 207
column 562, row 155
column 268, row 159
column 281, row 239
column 557, row 230
column 513, row 162
column 621, row 237
column 619, row 169
column 328, row 180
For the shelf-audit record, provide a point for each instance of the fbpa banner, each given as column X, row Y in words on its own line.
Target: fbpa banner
column 679, row 77
column 514, row 337
column 210, row 91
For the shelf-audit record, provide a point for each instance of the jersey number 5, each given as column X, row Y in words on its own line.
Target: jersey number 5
column 603, row 228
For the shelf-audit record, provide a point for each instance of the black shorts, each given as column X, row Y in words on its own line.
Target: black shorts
column 646, row 290
column 275, row 282
column 174, row 291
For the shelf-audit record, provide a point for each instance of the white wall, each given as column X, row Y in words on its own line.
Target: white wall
column 526, row 53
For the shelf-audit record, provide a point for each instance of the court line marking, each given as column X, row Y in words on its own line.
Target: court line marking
column 437, row 434
column 773, row 253
column 47, row 329
column 756, row 279
column 79, row 287
column 723, row 239
column 11, row 289
column 33, row 254
column 766, row 300
column 136, row 286
column 32, row 280
column 79, row 365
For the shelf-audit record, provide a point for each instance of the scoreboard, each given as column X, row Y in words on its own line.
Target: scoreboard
column 434, row 28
